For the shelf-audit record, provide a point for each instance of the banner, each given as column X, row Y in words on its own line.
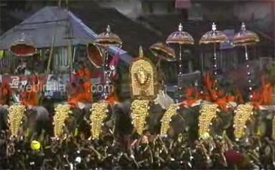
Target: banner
column 182, row 4
column 17, row 81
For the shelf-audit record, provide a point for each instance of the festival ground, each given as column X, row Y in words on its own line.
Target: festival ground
column 73, row 99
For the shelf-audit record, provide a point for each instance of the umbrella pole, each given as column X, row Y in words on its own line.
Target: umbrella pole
column 180, row 73
column 215, row 66
column 248, row 71
column 104, row 72
column 160, row 73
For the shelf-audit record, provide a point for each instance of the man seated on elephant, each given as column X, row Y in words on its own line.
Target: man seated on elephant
column 5, row 93
column 83, row 71
column 30, row 95
column 80, row 93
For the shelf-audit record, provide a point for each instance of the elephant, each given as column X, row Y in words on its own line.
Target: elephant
column 260, row 124
column 78, row 122
column 3, row 118
column 122, row 115
column 37, row 121
column 186, row 121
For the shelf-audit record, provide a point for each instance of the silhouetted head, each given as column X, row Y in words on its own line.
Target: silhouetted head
column 81, row 81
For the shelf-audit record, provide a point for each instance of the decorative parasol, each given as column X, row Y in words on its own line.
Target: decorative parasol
column 180, row 37
column 213, row 37
column 23, row 47
column 94, row 55
column 108, row 39
column 245, row 38
column 104, row 40
column 162, row 51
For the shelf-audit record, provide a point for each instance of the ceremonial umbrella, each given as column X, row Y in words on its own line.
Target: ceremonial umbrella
column 162, row 51
column 213, row 37
column 245, row 38
column 180, row 37
column 23, row 47
column 105, row 40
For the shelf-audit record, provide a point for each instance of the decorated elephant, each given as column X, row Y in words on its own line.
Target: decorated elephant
column 28, row 122
column 122, row 113
column 255, row 122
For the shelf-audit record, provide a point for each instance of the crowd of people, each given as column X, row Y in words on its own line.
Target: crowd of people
column 138, row 152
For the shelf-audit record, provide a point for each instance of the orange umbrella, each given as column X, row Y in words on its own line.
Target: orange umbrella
column 23, row 47
column 94, row 55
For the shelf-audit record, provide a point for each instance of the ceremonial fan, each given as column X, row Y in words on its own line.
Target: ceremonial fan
column 213, row 37
column 23, row 47
column 245, row 38
column 105, row 40
column 180, row 37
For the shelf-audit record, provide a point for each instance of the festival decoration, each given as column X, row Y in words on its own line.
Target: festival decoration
column 167, row 118
column 23, row 47
column 208, row 113
column 213, row 37
column 98, row 114
column 180, row 37
column 245, row 38
column 262, row 96
column 192, row 96
column 62, row 112
column 108, row 38
column 139, row 112
column 143, row 78
column 105, row 40
column 243, row 114
column 15, row 118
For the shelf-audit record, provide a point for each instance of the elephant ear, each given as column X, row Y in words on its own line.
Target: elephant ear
column 261, row 129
